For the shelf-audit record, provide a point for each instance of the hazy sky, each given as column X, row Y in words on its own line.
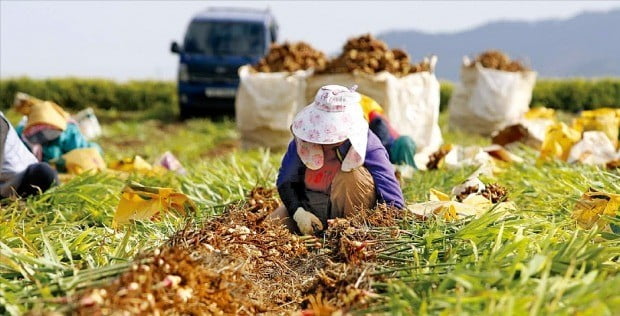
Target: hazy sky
column 131, row 39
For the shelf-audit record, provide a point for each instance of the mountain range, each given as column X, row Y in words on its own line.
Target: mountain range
column 586, row 45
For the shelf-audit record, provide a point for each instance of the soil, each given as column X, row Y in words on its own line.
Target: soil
column 493, row 192
column 223, row 148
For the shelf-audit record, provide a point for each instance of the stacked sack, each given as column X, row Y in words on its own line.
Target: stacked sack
column 495, row 92
column 272, row 92
column 408, row 92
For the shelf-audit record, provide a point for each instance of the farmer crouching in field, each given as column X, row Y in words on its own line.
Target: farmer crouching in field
column 334, row 165
column 401, row 148
column 49, row 131
column 21, row 174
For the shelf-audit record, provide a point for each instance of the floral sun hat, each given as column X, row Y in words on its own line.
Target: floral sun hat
column 333, row 117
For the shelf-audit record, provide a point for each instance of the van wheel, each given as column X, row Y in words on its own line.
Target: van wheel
column 185, row 113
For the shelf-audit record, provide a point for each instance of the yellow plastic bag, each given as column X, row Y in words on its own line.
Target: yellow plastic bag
column 142, row 203
column 559, row 139
column 436, row 195
column 441, row 206
column 136, row 164
column 83, row 159
column 592, row 205
column 540, row 113
column 605, row 120
column 447, row 210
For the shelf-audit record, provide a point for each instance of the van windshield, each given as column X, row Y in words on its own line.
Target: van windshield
column 225, row 38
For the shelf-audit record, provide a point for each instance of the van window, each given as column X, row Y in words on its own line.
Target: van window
column 225, row 38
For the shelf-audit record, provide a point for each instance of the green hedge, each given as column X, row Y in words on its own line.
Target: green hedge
column 577, row 94
column 571, row 95
column 445, row 92
column 76, row 93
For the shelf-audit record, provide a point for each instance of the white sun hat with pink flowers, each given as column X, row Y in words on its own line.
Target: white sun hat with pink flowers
column 333, row 117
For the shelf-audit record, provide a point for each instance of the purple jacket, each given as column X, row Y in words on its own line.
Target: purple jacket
column 291, row 185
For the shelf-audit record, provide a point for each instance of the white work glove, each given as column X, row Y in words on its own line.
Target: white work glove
column 307, row 222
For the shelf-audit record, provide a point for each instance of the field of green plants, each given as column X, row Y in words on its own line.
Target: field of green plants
column 534, row 260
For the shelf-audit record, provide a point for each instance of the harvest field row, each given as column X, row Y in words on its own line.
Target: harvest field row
column 59, row 249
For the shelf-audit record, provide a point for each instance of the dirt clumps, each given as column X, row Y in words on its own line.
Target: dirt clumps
column 243, row 263
column 435, row 158
column 493, row 192
column 290, row 57
column 495, row 59
column 366, row 54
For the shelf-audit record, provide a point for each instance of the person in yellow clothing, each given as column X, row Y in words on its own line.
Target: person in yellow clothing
column 401, row 148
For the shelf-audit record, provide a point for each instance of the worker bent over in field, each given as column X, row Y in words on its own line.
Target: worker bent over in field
column 21, row 174
column 400, row 148
column 334, row 166
column 49, row 131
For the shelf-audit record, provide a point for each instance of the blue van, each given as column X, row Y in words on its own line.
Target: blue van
column 217, row 42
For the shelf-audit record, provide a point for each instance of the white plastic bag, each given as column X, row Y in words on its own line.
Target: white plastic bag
column 411, row 103
column 595, row 148
column 266, row 104
column 488, row 100
column 88, row 123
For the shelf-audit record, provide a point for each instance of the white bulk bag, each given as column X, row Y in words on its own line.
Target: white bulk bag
column 266, row 104
column 488, row 100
